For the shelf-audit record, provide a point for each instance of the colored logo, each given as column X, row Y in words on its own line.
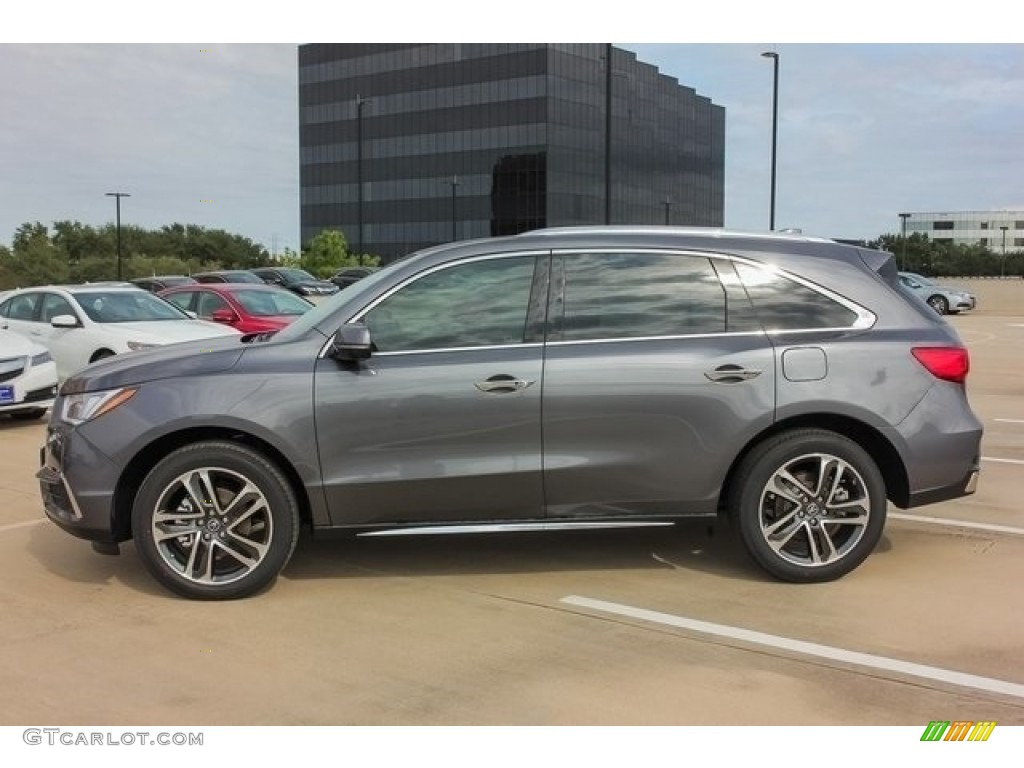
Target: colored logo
column 958, row 730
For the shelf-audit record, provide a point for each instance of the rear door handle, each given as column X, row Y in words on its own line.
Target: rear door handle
column 731, row 374
column 502, row 383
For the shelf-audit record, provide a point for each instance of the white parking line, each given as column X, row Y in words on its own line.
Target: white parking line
column 958, row 523
column 14, row 526
column 1002, row 461
column 951, row 677
column 1009, row 421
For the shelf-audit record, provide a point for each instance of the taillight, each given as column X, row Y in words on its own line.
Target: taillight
column 947, row 363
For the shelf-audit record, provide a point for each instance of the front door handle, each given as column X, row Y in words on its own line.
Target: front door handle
column 731, row 374
column 502, row 383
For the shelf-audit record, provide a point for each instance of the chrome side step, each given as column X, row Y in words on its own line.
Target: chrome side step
column 433, row 530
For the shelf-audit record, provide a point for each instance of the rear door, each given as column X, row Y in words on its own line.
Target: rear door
column 656, row 373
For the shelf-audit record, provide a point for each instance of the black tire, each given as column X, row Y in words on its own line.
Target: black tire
column 939, row 304
column 29, row 415
column 788, row 525
column 222, row 552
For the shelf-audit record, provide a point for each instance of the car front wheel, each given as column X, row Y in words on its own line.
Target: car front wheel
column 215, row 520
column 939, row 304
column 810, row 505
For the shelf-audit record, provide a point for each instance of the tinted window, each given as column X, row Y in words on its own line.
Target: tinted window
column 629, row 295
column 468, row 305
column 783, row 304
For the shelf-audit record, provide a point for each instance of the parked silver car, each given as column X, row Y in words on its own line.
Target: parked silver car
column 568, row 377
column 942, row 298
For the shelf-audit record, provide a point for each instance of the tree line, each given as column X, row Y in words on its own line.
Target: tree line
column 71, row 252
column 938, row 258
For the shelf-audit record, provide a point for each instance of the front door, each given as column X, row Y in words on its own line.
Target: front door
column 442, row 423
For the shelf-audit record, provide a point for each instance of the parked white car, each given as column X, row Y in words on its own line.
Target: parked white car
column 944, row 299
column 84, row 323
column 28, row 377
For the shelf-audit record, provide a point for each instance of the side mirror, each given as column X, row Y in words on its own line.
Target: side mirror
column 224, row 316
column 191, row 314
column 64, row 321
column 351, row 342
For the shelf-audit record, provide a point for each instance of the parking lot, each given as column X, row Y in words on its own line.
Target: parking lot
column 638, row 626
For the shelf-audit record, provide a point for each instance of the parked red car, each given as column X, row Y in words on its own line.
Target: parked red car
column 247, row 307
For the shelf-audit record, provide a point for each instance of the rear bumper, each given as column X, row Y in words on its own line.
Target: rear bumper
column 962, row 487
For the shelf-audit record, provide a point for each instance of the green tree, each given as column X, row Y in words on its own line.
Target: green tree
column 326, row 254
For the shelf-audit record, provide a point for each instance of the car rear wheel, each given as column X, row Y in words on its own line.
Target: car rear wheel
column 810, row 505
column 939, row 304
column 215, row 520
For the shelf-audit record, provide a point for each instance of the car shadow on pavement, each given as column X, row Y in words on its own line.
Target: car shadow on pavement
column 74, row 560
column 698, row 545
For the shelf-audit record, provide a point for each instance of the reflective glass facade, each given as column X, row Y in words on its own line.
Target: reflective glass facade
column 994, row 229
column 458, row 141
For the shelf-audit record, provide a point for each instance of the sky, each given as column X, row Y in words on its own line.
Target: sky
column 207, row 132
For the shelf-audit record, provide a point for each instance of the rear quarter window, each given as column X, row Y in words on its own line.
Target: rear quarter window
column 783, row 304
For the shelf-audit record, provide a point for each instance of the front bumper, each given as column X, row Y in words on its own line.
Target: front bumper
column 77, row 482
column 35, row 387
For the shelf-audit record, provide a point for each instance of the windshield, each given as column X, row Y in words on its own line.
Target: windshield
column 271, row 303
column 126, row 307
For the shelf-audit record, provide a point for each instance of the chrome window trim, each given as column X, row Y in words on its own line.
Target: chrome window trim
column 865, row 319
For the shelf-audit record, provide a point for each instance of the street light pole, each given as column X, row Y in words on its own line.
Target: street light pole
column 1002, row 263
column 903, row 239
column 117, row 196
column 775, row 127
column 668, row 204
column 360, row 101
column 455, row 183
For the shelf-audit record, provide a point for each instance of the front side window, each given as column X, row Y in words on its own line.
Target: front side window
column 209, row 302
column 631, row 295
column 783, row 304
column 472, row 304
column 54, row 305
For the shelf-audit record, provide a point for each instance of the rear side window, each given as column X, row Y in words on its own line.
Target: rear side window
column 21, row 307
column 635, row 295
column 783, row 304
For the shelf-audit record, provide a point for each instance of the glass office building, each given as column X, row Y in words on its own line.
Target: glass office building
column 993, row 229
column 409, row 145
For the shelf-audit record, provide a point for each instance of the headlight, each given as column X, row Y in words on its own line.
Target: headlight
column 42, row 357
column 135, row 346
column 80, row 408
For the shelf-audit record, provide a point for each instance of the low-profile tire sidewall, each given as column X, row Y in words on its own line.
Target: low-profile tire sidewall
column 237, row 458
column 764, row 461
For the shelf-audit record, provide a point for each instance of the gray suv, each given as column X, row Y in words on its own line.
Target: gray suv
column 563, row 377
